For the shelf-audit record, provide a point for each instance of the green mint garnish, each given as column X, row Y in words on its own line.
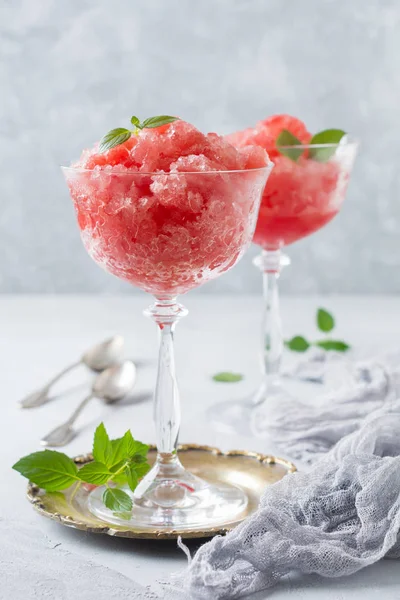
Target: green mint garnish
column 325, row 320
column 120, row 461
column 328, row 136
column 298, row 343
column 113, row 138
column 285, row 138
column 118, row 136
column 152, row 122
column 325, row 323
column 102, row 448
column 96, row 473
column 336, row 345
column 126, row 516
column 49, row 469
column 117, row 500
column 228, row 377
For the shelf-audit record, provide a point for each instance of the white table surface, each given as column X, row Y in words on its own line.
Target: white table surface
column 40, row 334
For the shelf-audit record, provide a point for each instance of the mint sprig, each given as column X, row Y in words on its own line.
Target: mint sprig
column 326, row 140
column 117, row 462
column 118, row 136
column 325, row 323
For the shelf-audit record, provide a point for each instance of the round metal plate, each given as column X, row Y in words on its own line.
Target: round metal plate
column 249, row 470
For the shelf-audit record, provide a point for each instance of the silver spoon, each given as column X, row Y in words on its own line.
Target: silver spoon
column 111, row 385
column 97, row 358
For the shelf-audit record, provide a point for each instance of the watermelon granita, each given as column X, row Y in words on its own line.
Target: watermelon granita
column 170, row 208
column 302, row 195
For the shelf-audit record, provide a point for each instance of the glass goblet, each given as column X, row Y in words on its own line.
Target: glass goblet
column 301, row 196
column 168, row 233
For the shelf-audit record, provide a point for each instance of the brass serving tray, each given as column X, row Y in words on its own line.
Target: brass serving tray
column 249, row 470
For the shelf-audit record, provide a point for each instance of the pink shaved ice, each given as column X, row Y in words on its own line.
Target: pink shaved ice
column 300, row 197
column 170, row 208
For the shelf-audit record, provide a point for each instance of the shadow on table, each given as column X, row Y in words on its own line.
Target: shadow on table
column 152, row 548
column 136, row 398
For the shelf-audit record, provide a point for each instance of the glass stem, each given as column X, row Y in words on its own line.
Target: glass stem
column 270, row 262
column 167, row 414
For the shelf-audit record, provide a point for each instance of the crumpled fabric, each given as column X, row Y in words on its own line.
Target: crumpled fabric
column 339, row 517
column 306, row 432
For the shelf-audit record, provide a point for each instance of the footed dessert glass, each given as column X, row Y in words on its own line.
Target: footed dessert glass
column 168, row 233
column 302, row 195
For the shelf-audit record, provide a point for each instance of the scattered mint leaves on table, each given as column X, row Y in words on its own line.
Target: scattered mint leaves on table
column 120, row 461
column 227, row 377
column 298, row 343
column 337, row 345
column 325, row 323
column 118, row 136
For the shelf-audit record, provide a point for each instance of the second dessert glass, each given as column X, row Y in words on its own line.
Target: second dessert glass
column 168, row 233
column 302, row 195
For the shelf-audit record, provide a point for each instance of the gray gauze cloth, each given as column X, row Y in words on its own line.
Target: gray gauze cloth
column 339, row 517
column 307, row 431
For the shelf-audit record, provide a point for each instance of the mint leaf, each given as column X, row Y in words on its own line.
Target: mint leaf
column 285, row 138
column 131, row 477
column 120, row 479
column 102, row 447
column 227, row 377
column 113, row 138
column 152, row 122
column 126, row 516
column 134, row 472
column 49, row 469
column 336, row 345
column 119, row 450
column 325, row 320
column 117, row 500
column 140, row 468
column 297, row 344
column 135, row 121
column 134, row 447
column 328, row 136
column 95, row 472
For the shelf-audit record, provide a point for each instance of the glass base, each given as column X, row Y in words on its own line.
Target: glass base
column 251, row 416
column 170, row 497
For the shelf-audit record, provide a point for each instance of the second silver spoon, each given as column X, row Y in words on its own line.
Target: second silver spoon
column 111, row 385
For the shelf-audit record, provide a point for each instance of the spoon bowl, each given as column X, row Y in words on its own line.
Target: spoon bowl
column 115, row 382
column 103, row 355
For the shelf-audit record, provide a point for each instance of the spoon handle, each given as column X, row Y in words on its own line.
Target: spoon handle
column 41, row 396
column 78, row 410
column 63, row 434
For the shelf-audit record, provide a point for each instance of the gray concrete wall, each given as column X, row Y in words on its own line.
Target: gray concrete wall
column 72, row 69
